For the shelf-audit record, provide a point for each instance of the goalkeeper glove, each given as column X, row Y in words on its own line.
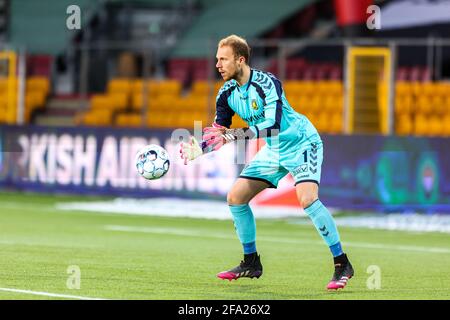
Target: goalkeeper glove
column 190, row 151
column 214, row 136
column 213, row 139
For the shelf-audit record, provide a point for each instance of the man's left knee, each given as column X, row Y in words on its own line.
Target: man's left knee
column 307, row 199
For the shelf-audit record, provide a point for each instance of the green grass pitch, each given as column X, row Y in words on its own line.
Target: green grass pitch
column 158, row 258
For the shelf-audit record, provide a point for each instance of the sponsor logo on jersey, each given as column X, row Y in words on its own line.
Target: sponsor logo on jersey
column 254, row 104
column 254, row 118
column 302, row 169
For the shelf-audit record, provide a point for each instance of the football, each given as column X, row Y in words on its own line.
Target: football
column 152, row 162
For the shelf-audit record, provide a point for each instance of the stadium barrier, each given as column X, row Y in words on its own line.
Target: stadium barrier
column 359, row 172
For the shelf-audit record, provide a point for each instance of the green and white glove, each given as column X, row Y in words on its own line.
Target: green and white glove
column 191, row 150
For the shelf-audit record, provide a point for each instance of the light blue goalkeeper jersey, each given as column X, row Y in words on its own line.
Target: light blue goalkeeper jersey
column 262, row 103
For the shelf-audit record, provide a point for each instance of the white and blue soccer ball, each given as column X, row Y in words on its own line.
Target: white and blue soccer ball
column 152, row 162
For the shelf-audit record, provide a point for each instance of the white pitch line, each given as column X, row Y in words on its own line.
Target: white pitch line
column 200, row 233
column 48, row 294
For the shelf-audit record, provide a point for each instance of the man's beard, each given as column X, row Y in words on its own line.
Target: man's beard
column 237, row 74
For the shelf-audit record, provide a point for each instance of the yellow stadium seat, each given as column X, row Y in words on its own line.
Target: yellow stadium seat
column 436, row 126
column 30, row 101
column 201, row 117
column 161, row 119
column 6, row 84
column 200, row 87
column 154, row 88
column 217, row 86
column 163, row 87
column 2, row 113
column 315, row 103
column 119, row 85
column 185, row 104
column 137, row 86
column 416, row 88
column 33, row 101
column 182, row 122
column 403, row 89
column 323, row 121
column 153, row 120
column 328, row 103
column 446, row 126
column 119, row 100
column 237, row 122
column 98, row 117
column 323, row 88
column 447, row 104
column 331, row 103
column 295, row 104
column 428, row 89
column 307, row 113
column 137, row 101
column 403, row 104
column 313, row 117
column 163, row 103
column 303, row 104
column 113, row 101
column 3, row 85
column 444, row 88
column 169, row 87
column 438, row 106
column 305, row 87
column 336, row 87
column 178, row 105
column 336, row 123
column 292, row 89
column 423, row 105
column 420, row 125
column 190, row 103
column 171, row 120
column 197, row 103
column 100, row 101
column 41, row 84
column 128, row 120
column 403, row 124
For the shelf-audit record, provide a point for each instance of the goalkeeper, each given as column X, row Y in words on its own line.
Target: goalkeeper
column 291, row 139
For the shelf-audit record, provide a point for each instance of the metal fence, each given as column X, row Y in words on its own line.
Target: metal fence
column 89, row 67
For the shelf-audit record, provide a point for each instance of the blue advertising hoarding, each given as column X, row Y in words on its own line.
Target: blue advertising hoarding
column 359, row 172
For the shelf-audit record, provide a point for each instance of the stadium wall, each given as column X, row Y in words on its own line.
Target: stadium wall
column 359, row 172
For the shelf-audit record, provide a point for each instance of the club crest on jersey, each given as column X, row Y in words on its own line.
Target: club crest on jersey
column 254, row 104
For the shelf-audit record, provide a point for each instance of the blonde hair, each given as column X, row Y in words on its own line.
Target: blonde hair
column 239, row 45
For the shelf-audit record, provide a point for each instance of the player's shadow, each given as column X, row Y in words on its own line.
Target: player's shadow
column 258, row 290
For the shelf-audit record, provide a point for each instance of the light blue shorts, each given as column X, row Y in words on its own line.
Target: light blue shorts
column 303, row 160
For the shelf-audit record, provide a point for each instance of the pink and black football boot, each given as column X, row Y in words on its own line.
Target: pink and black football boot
column 343, row 271
column 250, row 267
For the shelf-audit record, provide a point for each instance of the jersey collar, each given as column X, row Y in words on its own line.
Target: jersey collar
column 243, row 91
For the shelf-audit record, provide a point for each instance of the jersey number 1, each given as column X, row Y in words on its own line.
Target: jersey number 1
column 305, row 156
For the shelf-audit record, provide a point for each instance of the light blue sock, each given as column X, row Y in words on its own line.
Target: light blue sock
column 245, row 226
column 325, row 225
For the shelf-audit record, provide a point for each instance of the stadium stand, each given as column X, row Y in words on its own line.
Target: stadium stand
column 37, row 89
column 214, row 20
column 422, row 108
column 183, row 94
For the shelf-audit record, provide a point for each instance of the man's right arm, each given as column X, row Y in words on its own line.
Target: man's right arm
column 224, row 114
